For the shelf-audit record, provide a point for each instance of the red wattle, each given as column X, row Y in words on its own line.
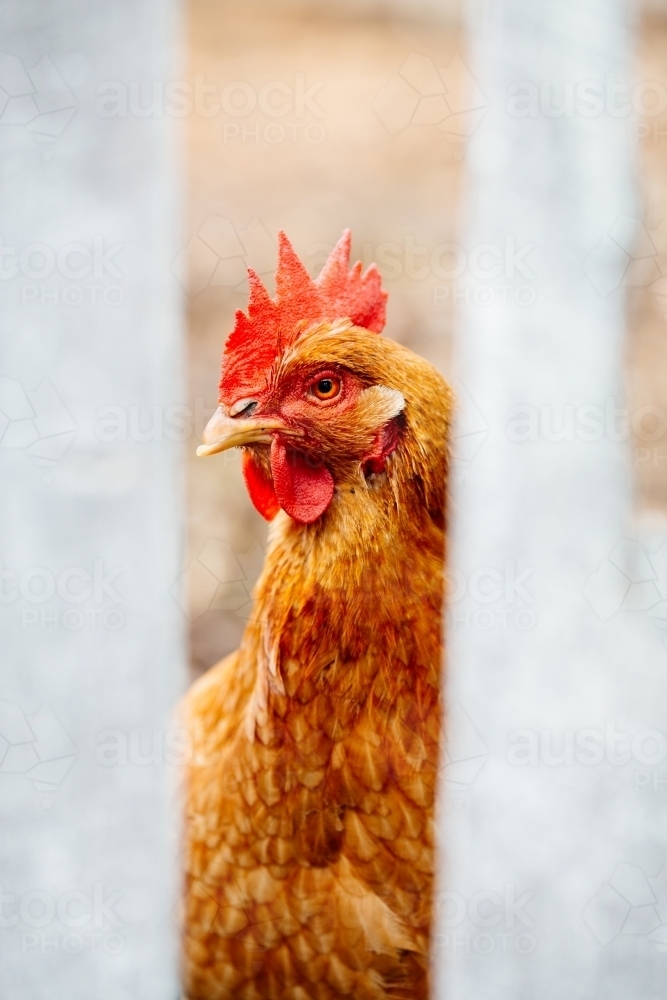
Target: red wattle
column 304, row 490
column 260, row 487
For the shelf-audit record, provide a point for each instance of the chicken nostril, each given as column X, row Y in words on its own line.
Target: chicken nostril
column 243, row 407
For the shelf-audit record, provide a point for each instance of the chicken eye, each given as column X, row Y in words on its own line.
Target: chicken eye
column 326, row 388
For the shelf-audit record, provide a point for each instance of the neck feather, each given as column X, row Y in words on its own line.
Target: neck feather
column 352, row 604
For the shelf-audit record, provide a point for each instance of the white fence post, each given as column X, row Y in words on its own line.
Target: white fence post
column 554, row 823
column 90, row 522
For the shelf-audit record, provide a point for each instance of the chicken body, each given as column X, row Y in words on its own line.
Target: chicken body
column 309, row 840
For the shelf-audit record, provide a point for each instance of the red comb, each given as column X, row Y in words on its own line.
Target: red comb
column 273, row 324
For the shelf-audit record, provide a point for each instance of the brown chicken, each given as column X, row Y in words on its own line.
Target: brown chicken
column 309, row 832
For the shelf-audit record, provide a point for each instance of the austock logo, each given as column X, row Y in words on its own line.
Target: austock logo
column 630, row 255
column 36, row 746
column 72, row 921
column 463, row 754
column 271, row 113
column 483, row 274
column 78, row 273
column 632, row 578
column 630, row 903
column 492, row 921
column 491, row 598
column 588, row 99
column 625, row 256
column 589, row 747
column 469, row 432
column 219, row 579
column 219, row 255
column 421, row 94
column 71, row 599
column 36, row 422
column 37, row 99
column 588, row 423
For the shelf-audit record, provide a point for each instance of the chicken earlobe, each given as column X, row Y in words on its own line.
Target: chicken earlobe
column 304, row 489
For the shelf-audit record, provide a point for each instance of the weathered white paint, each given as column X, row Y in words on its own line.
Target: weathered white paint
column 557, row 654
column 87, row 324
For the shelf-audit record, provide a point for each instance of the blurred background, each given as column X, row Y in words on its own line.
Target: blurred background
column 312, row 117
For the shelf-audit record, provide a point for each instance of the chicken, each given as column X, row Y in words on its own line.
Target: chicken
column 310, row 792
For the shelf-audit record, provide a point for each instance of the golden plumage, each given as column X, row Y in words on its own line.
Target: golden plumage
column 309, row 834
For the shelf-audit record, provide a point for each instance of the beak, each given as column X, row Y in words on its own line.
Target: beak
column 223, row 432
